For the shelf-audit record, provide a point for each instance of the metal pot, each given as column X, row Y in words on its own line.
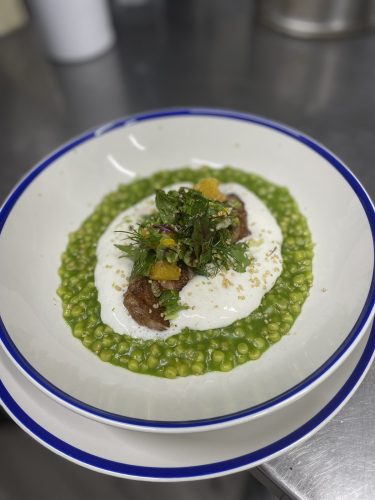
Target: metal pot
column 318, row 18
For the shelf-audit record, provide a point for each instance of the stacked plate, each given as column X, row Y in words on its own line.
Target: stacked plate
column 142, row 427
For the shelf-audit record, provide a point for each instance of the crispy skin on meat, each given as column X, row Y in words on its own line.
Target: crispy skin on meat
column 141, row 304
column 242, row 229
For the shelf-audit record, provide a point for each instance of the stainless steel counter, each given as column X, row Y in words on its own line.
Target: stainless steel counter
column 212, row 53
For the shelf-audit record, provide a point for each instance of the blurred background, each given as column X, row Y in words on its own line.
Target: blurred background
column 69, row 65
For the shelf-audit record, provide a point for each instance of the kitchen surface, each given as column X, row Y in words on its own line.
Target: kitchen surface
column 198, row 54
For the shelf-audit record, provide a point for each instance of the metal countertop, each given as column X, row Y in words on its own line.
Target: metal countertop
column 213, row 54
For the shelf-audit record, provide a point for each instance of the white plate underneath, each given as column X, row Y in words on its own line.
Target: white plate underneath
column 179, row 457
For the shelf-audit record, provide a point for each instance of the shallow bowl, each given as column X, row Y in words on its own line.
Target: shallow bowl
column 54, row 198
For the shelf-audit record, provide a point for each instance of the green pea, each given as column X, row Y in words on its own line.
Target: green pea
column 274, row 336
column 254, row 353
column 106, row 355
column 66, row 312
column 197, row 368
column 214, row 344
column 137, row 355
column 272, row 327
column 218, row 356
column 73, row 281
column 171, row 341
column 259, row 343
column 79, row 329
column 189, row 339
column 61, row 291
column 199, row 356
column 284, row 327
column 287, row 318
column 92, row 320
column 155, row 350
column 122, row 347
column 152, row 362
column 309, row 278
column 295, row 309
column 99, row 331
column 296, row 297
column 183, row 369
column 198, row 336
column 179, row 350
column 107, row 341
column 170, row 372
column 225, row 345
column 226, row 366
column 249, row 336
column 239, row 332
column 299, row 279
column 242, row 358
column 88, row 340
column 282, row 304
column 242, row 348
column 133, row 365
column 96, row 346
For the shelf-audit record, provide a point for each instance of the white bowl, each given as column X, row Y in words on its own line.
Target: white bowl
column 59, row 193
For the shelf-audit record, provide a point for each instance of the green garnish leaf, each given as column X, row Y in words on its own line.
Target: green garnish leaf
column 166, row 204
column 170, row 299
column 129, row 251
column 143, row 259
column 240, row 256
column 143, row 262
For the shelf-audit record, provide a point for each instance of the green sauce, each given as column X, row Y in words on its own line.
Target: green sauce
column 190, row 352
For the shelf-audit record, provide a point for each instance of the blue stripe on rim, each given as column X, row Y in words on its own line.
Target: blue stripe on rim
column 197, row 471
column 364, row 317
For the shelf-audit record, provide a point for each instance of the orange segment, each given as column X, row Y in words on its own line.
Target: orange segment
column 165, row 271
column 209, row 187
column 167, row 242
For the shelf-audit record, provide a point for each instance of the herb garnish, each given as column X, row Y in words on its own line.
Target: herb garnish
column 187, row 229
column 188, row 233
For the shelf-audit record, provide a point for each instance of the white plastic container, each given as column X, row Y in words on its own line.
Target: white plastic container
column 73, row 30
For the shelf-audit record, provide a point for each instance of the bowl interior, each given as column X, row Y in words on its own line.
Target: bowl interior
column 63, row 194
